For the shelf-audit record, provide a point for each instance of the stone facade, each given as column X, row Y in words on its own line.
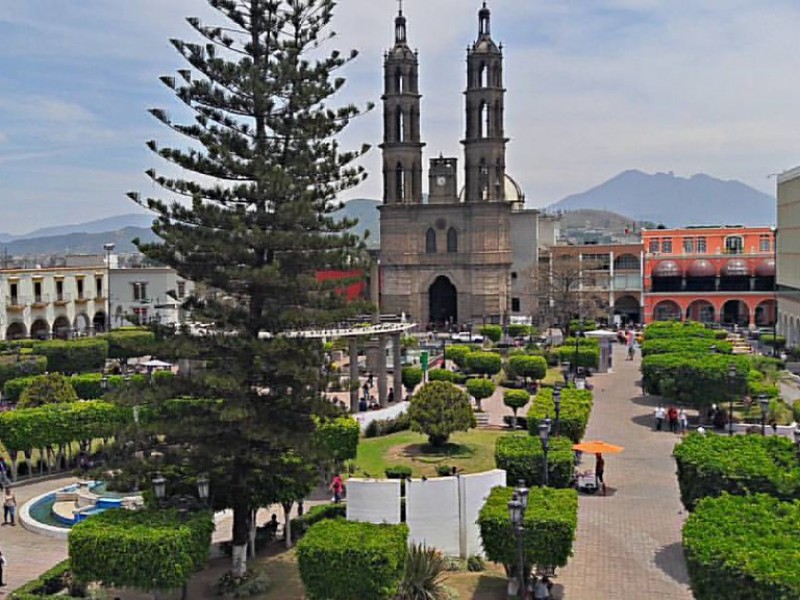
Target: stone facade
column 788, row 256
column 463, row 257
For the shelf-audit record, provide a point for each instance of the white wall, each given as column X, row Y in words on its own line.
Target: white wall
column 432, row 513
column 373, row 500
column 474, row 489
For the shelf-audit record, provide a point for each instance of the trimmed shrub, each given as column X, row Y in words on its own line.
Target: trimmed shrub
column 677, row 329
column 439, row 409
column 522, row 458
column 13, row 388
column 73, row 356
column 143, row 549
column 52, row 388
column 695, row 379
column 380, row 427
column 685, row 345
column 587, row 356
column 484, row 363
column 129, row 342
column 776, row 341
column 709, row 465
column 398, row 472
column 458, row 354
column 549, row 527
column 516, row 399
column 315, row 514
column 339, row 437
column 526, row 366
column 587, row 325
column 412, row 377
column 13, row 368
column 443, row 375
column 516, row 330
column 491, row 332
column 576, row 405
column 743, row 548
column 480, row 389
column 342, row 560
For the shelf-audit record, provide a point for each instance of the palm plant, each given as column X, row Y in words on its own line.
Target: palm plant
column 424, row 575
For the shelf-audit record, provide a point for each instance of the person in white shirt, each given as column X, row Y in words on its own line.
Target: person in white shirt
column 683, row 421
column 660, row 415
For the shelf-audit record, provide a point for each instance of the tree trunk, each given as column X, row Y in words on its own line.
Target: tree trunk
column 514, row 420
column 252, row 539
column 241, row 522
column 287, row 523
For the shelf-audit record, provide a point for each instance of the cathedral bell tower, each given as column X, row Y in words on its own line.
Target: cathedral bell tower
column 401, row 147
column 484, row 143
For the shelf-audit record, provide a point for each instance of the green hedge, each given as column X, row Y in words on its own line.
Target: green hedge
column 685, row 345
column 13, row 368
column 45, row 426
column 48, row 586
column 676, row 329
column 343, row 560
column 576, row 406
column 445, row 375
column 709, row 465
column 484, row 363
column 549, row 527
column 588, row 356
column 88, row 386
column 772, row 340
column 527, row 366
column 694, row 379
column 743, row 548
column 315, row 514
column 521, row 456
column 458, row 354
column 129, row 342
column 74, row 356
column 492, row 332
column 143, row 549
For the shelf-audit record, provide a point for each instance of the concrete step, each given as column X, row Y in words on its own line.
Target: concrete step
column 482, row 418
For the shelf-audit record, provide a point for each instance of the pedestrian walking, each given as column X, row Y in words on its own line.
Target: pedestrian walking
column 337, row 487
column 660, row 415
column 672, row 418
column 683, row 421
column 9, row 507
column 541, row 591
column 599, row 471
column 3, row 563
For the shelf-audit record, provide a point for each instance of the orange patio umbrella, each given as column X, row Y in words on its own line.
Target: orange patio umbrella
column 595, row 446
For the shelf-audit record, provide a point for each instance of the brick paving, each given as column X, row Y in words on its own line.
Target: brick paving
column 29, row 554
column 628, row 543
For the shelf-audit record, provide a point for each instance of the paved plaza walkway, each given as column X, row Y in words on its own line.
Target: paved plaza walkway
column 628, row 543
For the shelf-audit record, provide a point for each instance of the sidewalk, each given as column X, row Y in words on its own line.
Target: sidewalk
column 29, row 554
column 628, row 543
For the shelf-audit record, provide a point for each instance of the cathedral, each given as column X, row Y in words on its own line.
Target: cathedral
column 462, row 254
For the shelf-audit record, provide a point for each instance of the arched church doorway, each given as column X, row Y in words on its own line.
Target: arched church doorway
column 442, row 301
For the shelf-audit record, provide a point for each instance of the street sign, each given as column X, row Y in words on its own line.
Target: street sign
column 423, row 360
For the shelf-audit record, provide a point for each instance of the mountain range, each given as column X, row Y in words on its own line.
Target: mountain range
column 659, row 198
column 664, row 198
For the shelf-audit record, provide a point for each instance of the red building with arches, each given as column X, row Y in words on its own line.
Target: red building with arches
column 710, row 274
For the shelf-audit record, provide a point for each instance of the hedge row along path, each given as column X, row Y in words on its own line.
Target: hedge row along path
column 628, row 543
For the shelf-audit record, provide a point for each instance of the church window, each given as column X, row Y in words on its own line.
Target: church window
column 400, row 183
column 452, row 240
column 399, row 82
column 515, row 305
column 430, row 241
column 483, row 180
column 482, row 75
column 485, row 121
column 400, row 124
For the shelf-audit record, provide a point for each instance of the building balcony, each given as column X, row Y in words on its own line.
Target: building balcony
column 61, row 299
column 16, row 303
column 81, row 299
column 40, row 300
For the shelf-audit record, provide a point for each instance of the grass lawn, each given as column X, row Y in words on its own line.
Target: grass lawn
column 553, row 376
column 470, row 452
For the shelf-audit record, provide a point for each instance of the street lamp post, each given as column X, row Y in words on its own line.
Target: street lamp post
column 565, row 371
column 763, row 401
column 731, row 388
column 108, row 247
column 557, row 404
column 544, row 436
column 516, row 510
column 578, row 334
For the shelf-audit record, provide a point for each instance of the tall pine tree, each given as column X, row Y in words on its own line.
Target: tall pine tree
column 253, row 222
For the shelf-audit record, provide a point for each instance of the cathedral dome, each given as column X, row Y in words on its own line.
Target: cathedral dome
column 513, row 192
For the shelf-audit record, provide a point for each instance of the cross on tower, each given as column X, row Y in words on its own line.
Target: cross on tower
column 400, row 6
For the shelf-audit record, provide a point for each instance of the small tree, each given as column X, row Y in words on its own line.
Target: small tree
column 493, row 332
column 515, row 399
column 526, row 366
column 458, row 353
column 519, row 330
column 412, row 376
column 48, row 389
column 480, row 389
column 485, row 363
column 439, row 409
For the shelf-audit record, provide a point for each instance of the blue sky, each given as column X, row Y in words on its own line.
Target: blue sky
column 594, row 88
